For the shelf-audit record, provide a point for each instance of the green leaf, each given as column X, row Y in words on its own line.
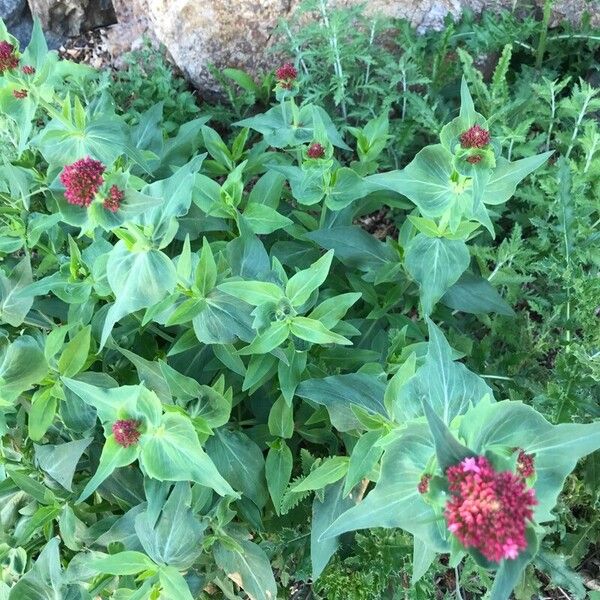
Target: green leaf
column 173, row 584
column 448, row 449
column 281, row 419
column 332, row 310
column 278, row 470
column 248, row 566
column 75, row 353
column 175, row 537
column 423, row 558
column 22, row 364
column 122, row 563
column 364, row 457
column 290, row 375
column 113, row 457
column 340, row 392
column 324, row 512
column 60, row 461
column 436, row 264
column 449, row 387
column 206, row 272
column 348, row 187
column 241, row 462
column 15, row 303
column 41, row 415
column 172, row 452
column 507, row 175
column 473, row 294
column 354, row 247
column 269, row 339
column 314, row 331
column 301, row 285
column 329, row 471
column 253, row 292
column 395, row 501
column 263, row 219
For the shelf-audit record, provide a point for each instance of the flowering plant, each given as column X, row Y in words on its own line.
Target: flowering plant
column 181, row 317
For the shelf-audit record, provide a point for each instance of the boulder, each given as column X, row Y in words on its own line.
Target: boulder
column 72, row 17
column 238, row 33
column 12, row 10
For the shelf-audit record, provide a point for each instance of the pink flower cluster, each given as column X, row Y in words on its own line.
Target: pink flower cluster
column 8, row 57
column 488, row 510
column 315, row 150
column 423, row 486
column 82, row 180
column 475, row 137
column 286, row 75
column 28, row 70
column 525, row 463
column 126, row 432
column 20, row 94
column 113, row 201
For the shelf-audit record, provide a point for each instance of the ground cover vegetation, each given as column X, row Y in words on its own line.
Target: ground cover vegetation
column 334, row 337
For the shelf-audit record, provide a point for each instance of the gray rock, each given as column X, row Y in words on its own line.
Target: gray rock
column 72, row 17
column 11, row 10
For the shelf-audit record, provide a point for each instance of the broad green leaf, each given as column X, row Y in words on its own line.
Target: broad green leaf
column 324, row 512
column 22, row 364
column 365, row 455
column 395, row 501
column 263, row 219
column 339, row 392
column 290, row 375
column 173, row 584
column 278, row 470
column 122, row 563
column 354, row 247
column 172, row 452
column 348, row 187
column 281, row 419
column 60, row 461
column 332, row 310
column 269, row 339
column 248, row 567
column 41, row 415
column 241, row 463
column 423, row 558
column 206, row 271
column 175, row 538
column 15, row 303
column 507, row 175
column 75, row 353
column 449, row 387
column 473, row 294
column 301, row 285
column 436, row 264
column 314, row 331
column 253, row 292
column 113, row 456
column 329, row 471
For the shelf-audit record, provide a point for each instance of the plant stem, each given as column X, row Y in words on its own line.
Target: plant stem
column 582, row 114
column 541, row 49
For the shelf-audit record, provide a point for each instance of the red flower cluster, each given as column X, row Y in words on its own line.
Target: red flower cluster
column 286, row 75
column 8, row 57
column 20, row 94
column 315, row 150
column 488, row 510
column 28, row 70
column 423, row 486
column 82, row 180
column 474, row 159
column 525, row 463
column 475, row 137
column 113, row 201
column 126, row 432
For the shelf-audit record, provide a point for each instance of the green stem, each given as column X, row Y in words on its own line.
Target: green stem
column 323, row 215
column 541, row 49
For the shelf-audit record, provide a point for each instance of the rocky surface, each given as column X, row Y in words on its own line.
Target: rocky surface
column 234, row 33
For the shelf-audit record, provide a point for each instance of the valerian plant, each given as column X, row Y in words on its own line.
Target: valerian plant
column 194, row 338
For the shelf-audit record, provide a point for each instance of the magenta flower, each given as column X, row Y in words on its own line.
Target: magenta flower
column 315, row 150
column 126, row 432
column 423, row 486
column 475, row 137
column 20, row 94
column 525, row 463
column 8, row 57
column 82, row 180
column 474, row 159
column 28, row 70
column 113, row 201
column 286, row 75
column 488, row 510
